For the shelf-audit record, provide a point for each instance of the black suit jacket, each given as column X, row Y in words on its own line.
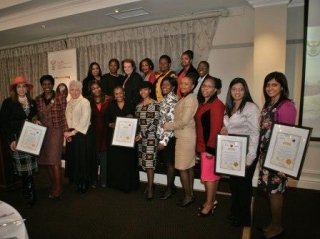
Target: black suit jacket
column 132, row 88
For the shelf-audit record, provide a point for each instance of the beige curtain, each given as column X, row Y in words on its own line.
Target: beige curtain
column 136, row 43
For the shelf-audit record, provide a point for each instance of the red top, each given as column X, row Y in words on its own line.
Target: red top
column 209, row 121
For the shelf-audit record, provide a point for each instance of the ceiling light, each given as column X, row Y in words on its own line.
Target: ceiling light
column 43, row 26
column 116, row 10
column 129, row 13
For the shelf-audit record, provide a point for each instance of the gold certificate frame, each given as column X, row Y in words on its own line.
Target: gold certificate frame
column 287, row 149
column 125, row 132
column 31, row 138
column 231, row 154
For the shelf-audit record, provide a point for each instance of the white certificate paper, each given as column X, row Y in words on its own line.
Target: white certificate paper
column 125, row 132
column 31, row 138
column 231, row 154
column 287, row 149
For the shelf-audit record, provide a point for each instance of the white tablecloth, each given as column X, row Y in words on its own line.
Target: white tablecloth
column 21, row 232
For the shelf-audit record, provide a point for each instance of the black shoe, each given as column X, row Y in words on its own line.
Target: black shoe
column 185, row 203
column 215, row 205
column 52, row 197
column 211, row 211
column 168, row 194
column 31, row 193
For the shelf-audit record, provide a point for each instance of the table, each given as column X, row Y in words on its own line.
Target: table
column 21, row 232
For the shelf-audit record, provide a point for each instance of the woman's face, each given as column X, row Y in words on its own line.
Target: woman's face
column 21, row 89
column 74, row 92
column 47, row 86
column 95, row 70
column 166, row 87
column 185, row 60
column 145, row 93
column 127, row 68
column 186, row 85
column 237, row 92
column 202, row 69
column 95, row 90
column 208, row 88
column 164, row 65
column 113, row 67
column 119, row 94
column 273, row 90
column 145, row 67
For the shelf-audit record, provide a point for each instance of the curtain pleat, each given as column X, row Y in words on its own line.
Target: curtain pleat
column 136, row 43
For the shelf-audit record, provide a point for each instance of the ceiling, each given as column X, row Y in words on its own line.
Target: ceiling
column 28, row 21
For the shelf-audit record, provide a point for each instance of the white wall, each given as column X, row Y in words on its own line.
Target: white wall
column 232, row 56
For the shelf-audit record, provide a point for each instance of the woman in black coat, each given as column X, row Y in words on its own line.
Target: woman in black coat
column 16, row 110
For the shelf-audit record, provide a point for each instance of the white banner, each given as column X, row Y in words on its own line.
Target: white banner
column 63, row 66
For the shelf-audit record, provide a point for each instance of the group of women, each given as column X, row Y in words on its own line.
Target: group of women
column 178, row 116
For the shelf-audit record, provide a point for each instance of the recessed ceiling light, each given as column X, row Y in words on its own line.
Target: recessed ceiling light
column 116, row 10
column 43, row 26
column 129, row 13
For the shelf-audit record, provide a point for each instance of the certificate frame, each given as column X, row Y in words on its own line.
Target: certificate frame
column 125, row 132
column 231, row 154
column 31, row 138
column 287, row 149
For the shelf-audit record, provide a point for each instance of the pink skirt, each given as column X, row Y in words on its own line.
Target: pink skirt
column 207, row 168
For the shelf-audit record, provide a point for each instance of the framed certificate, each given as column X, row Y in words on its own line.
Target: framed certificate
column 31, row 138
column 231, row 154
column 287, row 149
column 125, row 132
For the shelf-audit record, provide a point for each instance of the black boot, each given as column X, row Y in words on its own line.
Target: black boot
column 32, row 196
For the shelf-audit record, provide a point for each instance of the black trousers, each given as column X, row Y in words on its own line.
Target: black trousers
column 241, row 194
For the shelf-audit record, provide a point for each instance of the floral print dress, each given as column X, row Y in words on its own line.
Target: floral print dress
column 271, row 181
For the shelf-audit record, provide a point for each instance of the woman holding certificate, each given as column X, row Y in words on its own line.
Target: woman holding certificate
column 148, row 114
column 80, row 152
column 15, row 110
column 209, row 121
column 278, row 108
column 242, row 117
column 51, row 114
column 185, row 132
column 122, row 170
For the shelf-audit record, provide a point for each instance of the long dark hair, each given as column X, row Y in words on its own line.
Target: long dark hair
column 217, row 84
column 102, row 94
column 246, row 97
column 282, row 80
column 89, row 74
column 14, row 95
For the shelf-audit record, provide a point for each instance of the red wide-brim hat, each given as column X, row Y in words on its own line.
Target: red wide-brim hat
column 20, row 80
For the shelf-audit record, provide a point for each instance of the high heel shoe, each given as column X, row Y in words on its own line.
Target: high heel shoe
column 52, row 197
column 168, row 194
column 201, row 214
column 215, row 205
column 185, row 203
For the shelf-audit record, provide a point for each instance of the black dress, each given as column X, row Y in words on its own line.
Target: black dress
column 109, row 82
column 123, row 173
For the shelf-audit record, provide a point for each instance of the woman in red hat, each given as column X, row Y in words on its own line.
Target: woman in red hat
column 17, row 109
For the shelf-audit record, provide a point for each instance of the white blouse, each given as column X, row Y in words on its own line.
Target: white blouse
column 246, row 123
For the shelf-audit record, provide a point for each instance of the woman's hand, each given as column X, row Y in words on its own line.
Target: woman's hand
column 224, row 131
column 138, row 137
column 161, row 147
column 129, row 116
column 13, row 145
column 209, row 156
column 112, row 125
